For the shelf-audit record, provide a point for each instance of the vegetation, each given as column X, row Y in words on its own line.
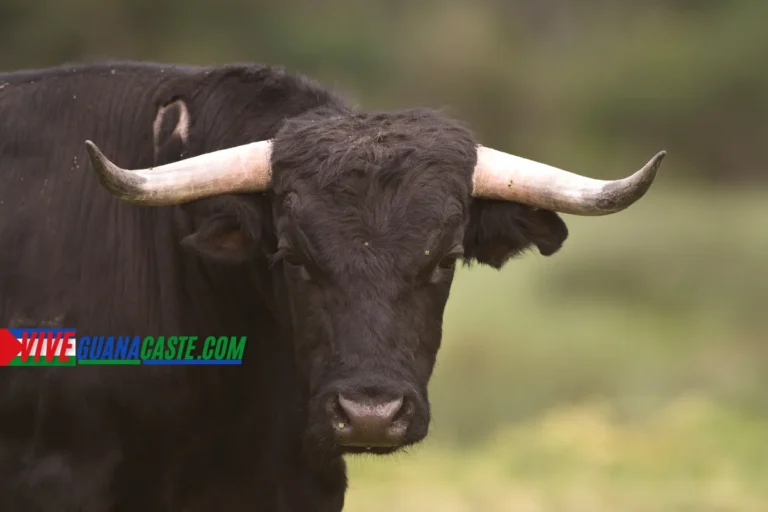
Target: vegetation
column 689, row 456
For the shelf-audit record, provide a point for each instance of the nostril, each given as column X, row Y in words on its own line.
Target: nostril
column 382, row 413
column 368, row 422
column 404, row 413
column 337, row 414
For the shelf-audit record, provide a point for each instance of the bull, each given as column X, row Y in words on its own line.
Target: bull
column 251, row 201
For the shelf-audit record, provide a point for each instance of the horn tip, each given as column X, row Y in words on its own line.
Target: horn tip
column 90, row 145
column 650, row 169
column 98, row 159
column 117, row 181
column 621, row 195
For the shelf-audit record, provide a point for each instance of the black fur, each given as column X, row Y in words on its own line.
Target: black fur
column 338, row 276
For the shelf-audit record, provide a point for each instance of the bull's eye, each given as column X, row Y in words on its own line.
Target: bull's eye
column 443, row 269
column 448, row 262
column 293, row 259
column 297, row 263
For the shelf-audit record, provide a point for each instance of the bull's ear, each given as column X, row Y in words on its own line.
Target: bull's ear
column 229, row 236
column 500, row 230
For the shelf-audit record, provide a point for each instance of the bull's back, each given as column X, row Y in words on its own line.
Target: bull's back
column 61, row 233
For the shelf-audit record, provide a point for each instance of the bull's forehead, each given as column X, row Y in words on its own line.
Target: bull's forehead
column 325, row 149
column 377, row 208
column 397, row 213
column 394, row 182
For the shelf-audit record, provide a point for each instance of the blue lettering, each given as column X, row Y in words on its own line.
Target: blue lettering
column 82, row 347
column 122, row 347
column 109, row 349
column 96, row 346
column 134, row 348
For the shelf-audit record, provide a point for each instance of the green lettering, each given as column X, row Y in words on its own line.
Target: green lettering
column 182, row 345
column 146, row 347
column 190, row 348
column 207, row 349
column 170, row 347
column 236, row 348
column 157, row 353
column 221, row 347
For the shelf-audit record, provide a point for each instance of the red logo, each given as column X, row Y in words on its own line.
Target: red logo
column 10, row 347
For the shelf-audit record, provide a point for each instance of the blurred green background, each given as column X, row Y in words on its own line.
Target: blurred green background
column 627, row 372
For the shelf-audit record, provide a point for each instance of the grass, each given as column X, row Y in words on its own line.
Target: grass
column 625, row 373
column 692, row 455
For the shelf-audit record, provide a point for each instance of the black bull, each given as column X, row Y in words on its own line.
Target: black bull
column 338, row 275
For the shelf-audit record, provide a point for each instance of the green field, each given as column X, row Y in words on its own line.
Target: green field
column 627, row 373
column 689, row 456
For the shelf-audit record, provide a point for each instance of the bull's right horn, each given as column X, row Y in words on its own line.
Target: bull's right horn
column 240, row 169
column 502, row 176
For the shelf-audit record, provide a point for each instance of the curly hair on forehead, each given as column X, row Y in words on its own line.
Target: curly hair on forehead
column 324, row 146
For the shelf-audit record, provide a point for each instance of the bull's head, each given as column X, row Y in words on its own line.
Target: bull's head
column 369, row 214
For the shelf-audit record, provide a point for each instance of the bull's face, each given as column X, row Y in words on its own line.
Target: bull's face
column 364, row 221
column 366, row 295
column 370, row 221
column 371, row 215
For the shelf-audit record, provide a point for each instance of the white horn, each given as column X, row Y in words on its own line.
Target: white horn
column 499, row 175
column 245, row 168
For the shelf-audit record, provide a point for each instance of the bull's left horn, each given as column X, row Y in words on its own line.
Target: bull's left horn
column 507, row 177
column 245, row 168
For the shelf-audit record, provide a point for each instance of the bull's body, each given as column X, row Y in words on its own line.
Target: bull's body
column 338, row 276
column 139, row 438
